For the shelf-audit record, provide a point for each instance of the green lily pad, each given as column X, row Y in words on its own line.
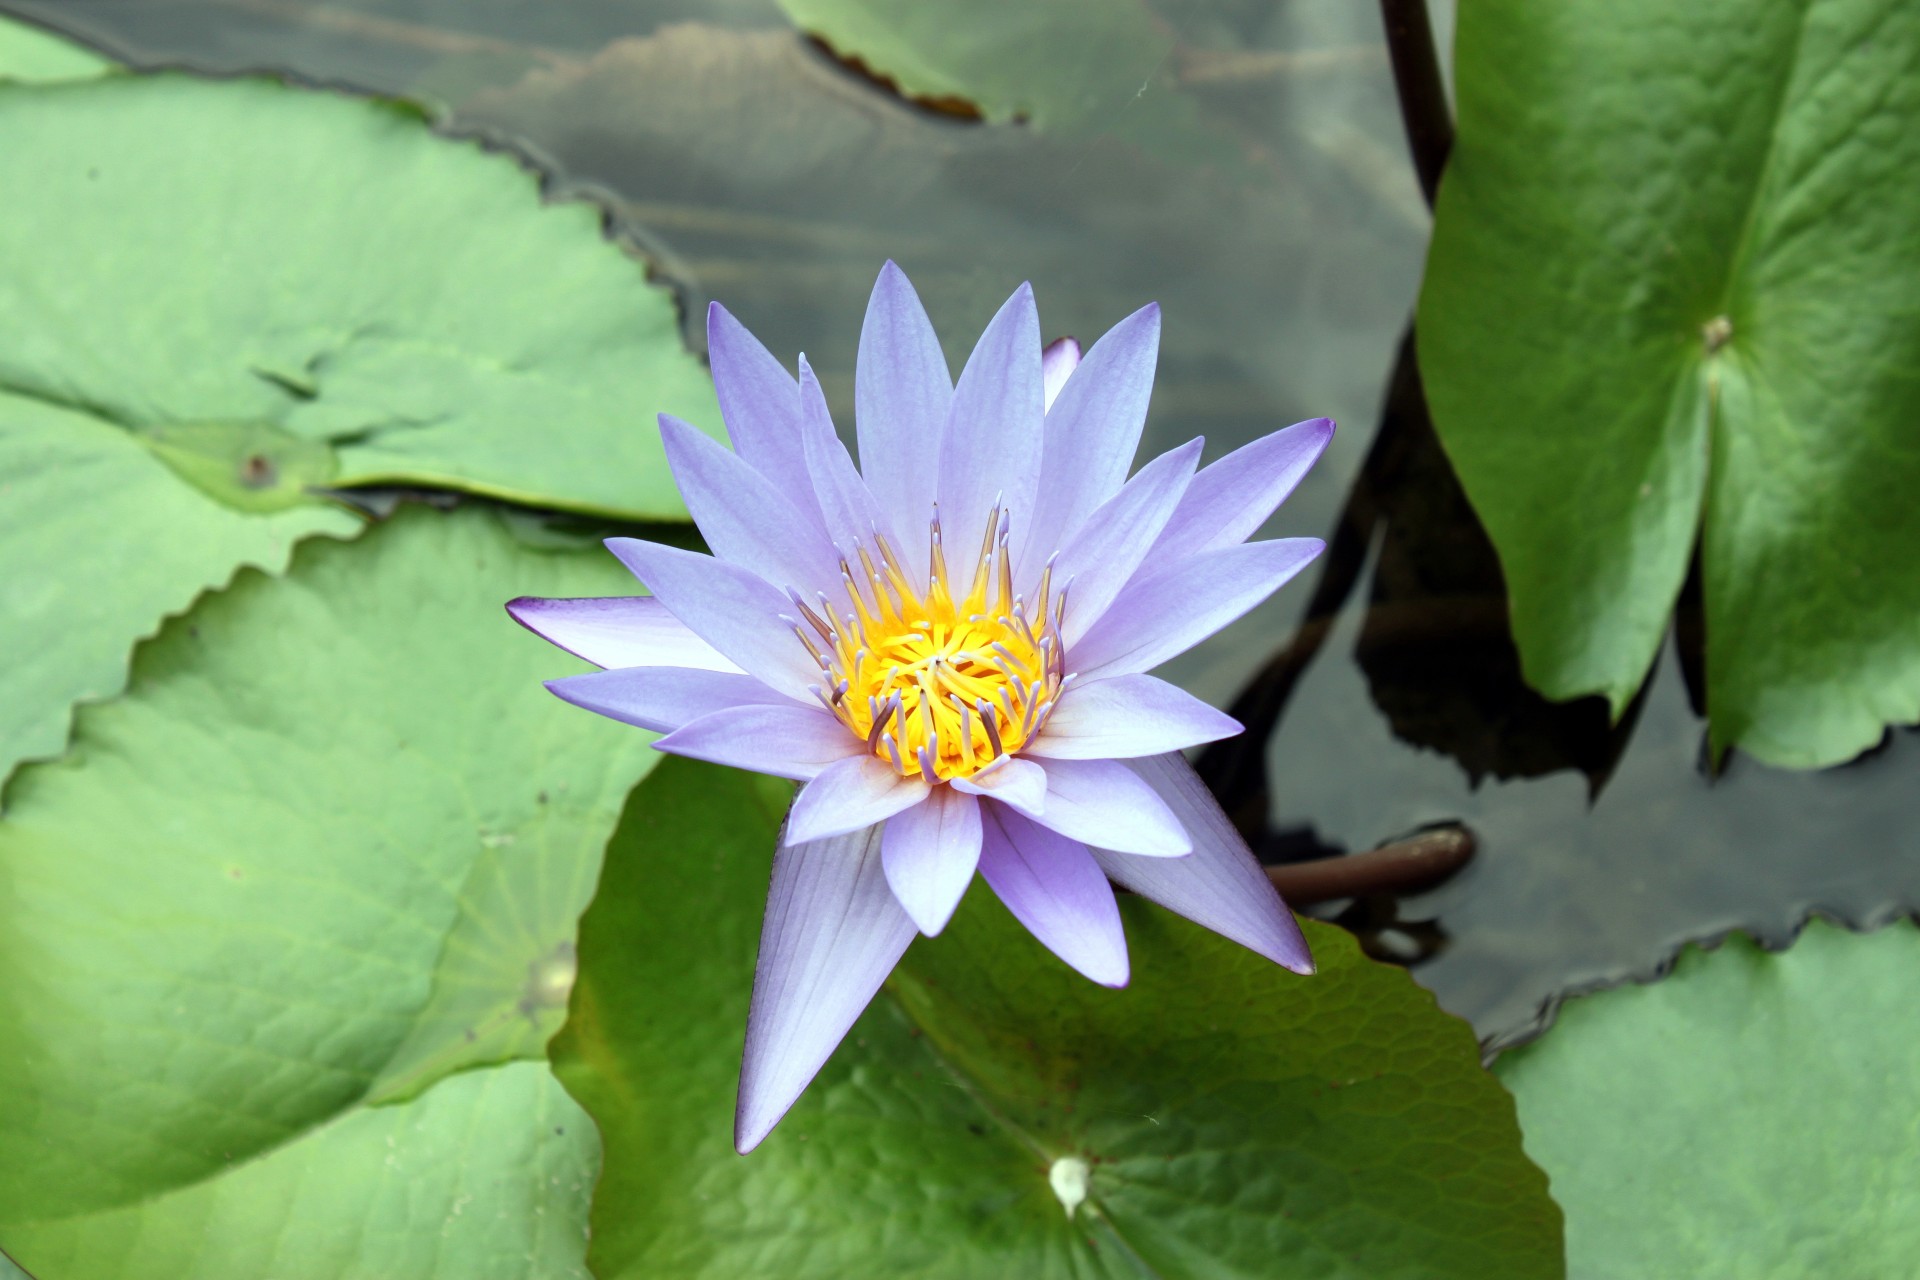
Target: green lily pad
column 1073, row 67
column 1671, row 294
column 328, row 850
column 1227, row 1118
column 486, row 1176
column 1752, row 1116
column 316, row 292
column 32, row 55
column 100, row 542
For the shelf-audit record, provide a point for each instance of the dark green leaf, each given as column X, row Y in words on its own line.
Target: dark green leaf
column 1751, row 1115
column 1236, row 1120
column 1671, row 292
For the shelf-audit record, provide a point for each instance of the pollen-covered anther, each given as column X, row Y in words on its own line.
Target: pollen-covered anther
column 938, row 687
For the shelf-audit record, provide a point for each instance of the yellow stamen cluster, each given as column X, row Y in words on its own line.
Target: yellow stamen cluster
column 938, row 688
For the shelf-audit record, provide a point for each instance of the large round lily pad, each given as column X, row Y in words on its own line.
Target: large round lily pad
column 217, row 297
column 1221, row 1117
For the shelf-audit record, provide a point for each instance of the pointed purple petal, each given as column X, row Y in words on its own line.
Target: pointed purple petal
column 1104, row 553
column 664, row 698
column 832, row 934
column 730, row 608
column 745, row 517
column 994, row 429
column 1231, row 499
column 1057, row 363
column 1020, row 783
column 1173, row 607
column 848, row 795
column 901, row 395
column 1053, row 886
column 788, row 741
column 1218, row 886
column 1128, row 716
column 848, row 508
column 617, row 631
column 929, row 853
column 1102, row 802
column 1092, row 432
column 756, row 398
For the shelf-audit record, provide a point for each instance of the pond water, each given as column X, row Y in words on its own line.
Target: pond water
column 1254, row 181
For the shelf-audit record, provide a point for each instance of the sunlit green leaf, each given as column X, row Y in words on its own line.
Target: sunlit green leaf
column 1236, row 1120
column 1752, row 1116
column 329, row 849
column 221, row 295
column 1671, row 293
column 31, row 55
column 486, row 1176
column 102, row 540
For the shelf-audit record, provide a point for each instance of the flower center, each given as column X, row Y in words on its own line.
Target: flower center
column 939, row 687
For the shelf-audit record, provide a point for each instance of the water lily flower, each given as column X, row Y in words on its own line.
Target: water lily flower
column 948, row 646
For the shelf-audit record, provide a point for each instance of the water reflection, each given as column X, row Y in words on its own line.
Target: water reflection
column 1572, row 889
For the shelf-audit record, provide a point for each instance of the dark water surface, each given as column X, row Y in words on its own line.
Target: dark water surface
column 1255, row 183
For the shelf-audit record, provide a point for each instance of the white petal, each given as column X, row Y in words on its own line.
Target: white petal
column 1102, row 802
column 1219, row 886
column 1128, row 716
column 1020, row 783
column 789, row 741
column 618, row 631
column 930, row 852
column 664, row 698
column 832, row 934
column 1103, row 554
column 848, row 795
column 1053, row 886
column 732, row 609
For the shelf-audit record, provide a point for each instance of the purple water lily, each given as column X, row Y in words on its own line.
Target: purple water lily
column 948, row 646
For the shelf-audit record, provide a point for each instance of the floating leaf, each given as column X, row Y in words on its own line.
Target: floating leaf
column 329, row 849
column 487, row 1176
column 31, row 55
column 1220, row 1117
column 315, row 290
column 1671, row 292
column 101, row 541
column 1082, row 67
column 1751, row 1115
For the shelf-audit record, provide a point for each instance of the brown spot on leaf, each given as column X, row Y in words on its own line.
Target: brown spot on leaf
column 258, row 472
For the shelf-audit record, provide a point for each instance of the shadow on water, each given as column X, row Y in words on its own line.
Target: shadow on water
column 1285, row 245
column 1601, row 847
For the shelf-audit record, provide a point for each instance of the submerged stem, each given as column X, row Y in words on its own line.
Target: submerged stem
column 1423, row 94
